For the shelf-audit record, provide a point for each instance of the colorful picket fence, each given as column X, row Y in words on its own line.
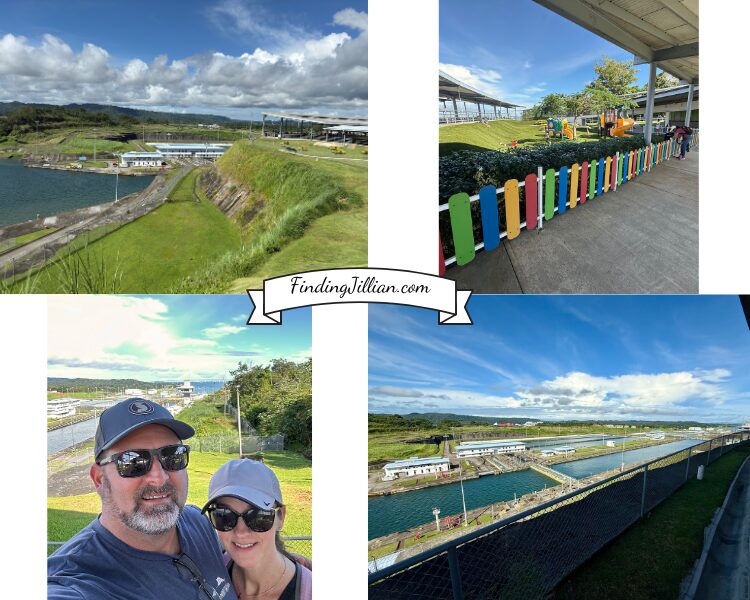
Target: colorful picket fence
column 574, row 185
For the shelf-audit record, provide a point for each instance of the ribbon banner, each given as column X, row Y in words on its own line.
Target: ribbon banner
column 366, row 285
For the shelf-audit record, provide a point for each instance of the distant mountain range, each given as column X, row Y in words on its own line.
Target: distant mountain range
column 141, row 115
column 439, row 417
column 64, row 384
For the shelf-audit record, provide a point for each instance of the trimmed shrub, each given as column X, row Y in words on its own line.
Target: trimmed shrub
column 468, row 171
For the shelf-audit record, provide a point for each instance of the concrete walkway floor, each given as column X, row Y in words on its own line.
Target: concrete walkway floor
column 641, row 239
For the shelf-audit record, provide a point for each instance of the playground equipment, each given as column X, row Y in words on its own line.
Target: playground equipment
column 560, row 127
column 611, row 124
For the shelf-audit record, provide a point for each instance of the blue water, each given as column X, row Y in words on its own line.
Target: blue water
column 26, row 192
column 387, row 514
column 589, row 466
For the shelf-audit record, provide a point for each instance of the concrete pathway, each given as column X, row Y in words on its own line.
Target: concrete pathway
column 642, row 239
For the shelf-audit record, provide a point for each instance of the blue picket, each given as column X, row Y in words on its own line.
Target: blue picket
column 562, row 195
column 490, row 225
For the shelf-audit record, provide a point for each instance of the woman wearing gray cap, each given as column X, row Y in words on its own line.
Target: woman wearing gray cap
column 245, row 507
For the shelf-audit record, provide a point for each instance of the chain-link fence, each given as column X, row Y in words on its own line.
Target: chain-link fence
column 229, row 443
column 296, row 544
column 527, row 555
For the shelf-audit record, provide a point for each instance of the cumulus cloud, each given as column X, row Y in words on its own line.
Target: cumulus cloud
column 582, row 395
column 295, row 70
column 485, row 80
column 221, row 330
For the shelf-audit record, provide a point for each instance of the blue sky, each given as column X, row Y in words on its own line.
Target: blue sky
column 166, row 337
column 519, row 50
column 551, row 358
column 231, row 57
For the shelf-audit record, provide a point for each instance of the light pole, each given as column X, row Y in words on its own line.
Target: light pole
column 94, row 144
column 436, row 512
column 117, row 180
column 463, row 497
column 239, row 430
column 622, row 458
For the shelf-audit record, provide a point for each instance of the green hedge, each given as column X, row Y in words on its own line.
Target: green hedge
column 469, row 171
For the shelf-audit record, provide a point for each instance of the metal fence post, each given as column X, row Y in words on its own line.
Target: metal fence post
column 687, row 468
column 643, row 494
column 455, row 574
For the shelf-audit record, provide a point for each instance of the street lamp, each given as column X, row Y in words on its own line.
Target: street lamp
column 436, row 512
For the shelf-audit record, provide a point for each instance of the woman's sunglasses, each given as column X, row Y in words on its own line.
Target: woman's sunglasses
column 224, row 518
column 136, row 463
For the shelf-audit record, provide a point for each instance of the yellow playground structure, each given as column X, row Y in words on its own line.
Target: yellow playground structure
column 610, row 123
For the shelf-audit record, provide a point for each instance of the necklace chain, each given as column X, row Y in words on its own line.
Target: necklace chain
column 244, row 594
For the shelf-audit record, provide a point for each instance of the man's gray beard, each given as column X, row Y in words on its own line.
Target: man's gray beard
column 152, row 521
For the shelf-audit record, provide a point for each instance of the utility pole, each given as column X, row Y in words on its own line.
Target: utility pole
column 94, row 144
column 239, row 425
column 463, row 498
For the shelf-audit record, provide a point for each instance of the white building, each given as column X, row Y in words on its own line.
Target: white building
column 415, row 466
column 212, row 151
column 186, row 389
column 133, row 392
column 57, row 408
column 142, row 159
column 745, row 427
column 564, row 450
column 489, row 447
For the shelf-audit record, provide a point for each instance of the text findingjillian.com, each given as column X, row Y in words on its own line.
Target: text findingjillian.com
column 368, row 285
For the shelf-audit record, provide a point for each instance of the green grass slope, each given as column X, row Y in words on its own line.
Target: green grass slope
column 153, row 252
column 497, row 135
column 295, row 206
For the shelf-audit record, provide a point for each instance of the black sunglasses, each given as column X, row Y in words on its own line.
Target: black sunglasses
column 136, row 463
column 257, row 519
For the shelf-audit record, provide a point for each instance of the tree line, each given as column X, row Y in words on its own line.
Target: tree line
column 613, row 80
column 277, row 398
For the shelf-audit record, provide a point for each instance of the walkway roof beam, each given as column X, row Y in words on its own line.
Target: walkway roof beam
column 683, row 51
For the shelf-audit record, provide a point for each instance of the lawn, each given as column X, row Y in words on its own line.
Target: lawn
column 160, row 248
column 26, row 238
column 497, row 135
column 379, row 451
column 650, row 559
column 68, row 515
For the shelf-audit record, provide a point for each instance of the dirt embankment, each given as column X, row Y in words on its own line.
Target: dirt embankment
column 226, row 194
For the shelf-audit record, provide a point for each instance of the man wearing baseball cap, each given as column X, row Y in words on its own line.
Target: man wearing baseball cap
column 145, row 543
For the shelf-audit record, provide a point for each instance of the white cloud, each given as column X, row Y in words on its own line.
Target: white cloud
column 578, row 395
column 222, row 330
column 484, row 80
column 351, row 18
column 295, row 70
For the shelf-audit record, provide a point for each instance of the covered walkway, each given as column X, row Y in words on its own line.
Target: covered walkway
column 642, row 239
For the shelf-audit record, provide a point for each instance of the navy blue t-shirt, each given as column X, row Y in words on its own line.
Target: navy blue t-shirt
column 95, row 565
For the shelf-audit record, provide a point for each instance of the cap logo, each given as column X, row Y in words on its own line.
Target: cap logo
column 140, row 408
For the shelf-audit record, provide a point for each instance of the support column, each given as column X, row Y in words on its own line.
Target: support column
column 648, row 123
column 689, row 108
column 455, row 109
column 263, row 133
column 495, row 112
column 479, row 108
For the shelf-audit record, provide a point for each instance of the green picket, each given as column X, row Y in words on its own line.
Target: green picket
column 549, row 194
column 459, row 207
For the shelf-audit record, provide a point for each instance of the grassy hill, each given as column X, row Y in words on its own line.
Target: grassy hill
column 302, row 213
column 497, row 135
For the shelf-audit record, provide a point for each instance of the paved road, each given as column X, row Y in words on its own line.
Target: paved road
column 123, row 211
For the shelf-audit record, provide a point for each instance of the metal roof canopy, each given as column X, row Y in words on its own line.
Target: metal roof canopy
column 675, row 94
column 664, row 32
column 348, row 128
column 453, row 89
column 321, row 119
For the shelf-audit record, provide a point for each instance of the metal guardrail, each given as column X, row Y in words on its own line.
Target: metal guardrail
column 529, row 554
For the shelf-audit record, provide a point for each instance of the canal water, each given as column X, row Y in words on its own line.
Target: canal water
column 388, row 514
column 26, row 192
column 65, row 437
column 590, row 466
